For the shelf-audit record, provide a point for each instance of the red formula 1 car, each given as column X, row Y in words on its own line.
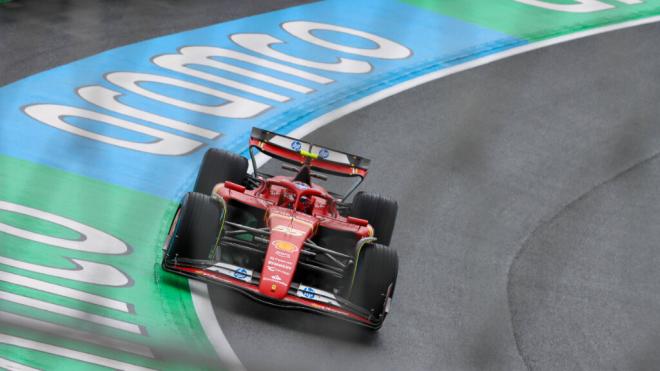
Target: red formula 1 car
column 285, row 240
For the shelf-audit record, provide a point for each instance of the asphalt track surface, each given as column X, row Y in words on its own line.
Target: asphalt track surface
column 39, row 35
column 528, row 222
column 528, row 194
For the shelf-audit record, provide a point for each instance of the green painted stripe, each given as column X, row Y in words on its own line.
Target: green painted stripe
column 162, row 301
column 536, row 23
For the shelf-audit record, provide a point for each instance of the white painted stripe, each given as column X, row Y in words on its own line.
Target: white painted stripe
column 85, row 271
column 206, row 314
column 69, row 353
column 70, row 312
column 14, row 366
column 64, row 291
column 78, row 335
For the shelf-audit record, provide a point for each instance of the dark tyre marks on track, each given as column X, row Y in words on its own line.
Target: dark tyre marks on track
column 588, row 280
column 477, row 162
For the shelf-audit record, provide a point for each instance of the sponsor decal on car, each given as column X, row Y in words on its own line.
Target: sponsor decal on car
column 233, row 271
column 315, row 294
column 271, row 268
column 286, row 266
column 288, row 230
column 240, row 273
column 283, row 254
column 301, row 185
column 285, row 246
column 308, row 292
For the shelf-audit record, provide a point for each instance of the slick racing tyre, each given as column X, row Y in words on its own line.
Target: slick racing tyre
column 375, row 278
column 380, row 211
column 197, row 228
column 219, row 166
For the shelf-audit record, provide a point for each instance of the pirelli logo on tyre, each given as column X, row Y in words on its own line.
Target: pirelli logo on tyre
column 284, row 246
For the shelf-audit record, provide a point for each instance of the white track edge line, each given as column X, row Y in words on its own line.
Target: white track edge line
column 202, row 303
column 201, row 300
column 435, row 75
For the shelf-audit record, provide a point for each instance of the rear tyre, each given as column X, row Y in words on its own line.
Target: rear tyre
column 219, row 166
column 375, row 278
column 196, row 232
column 380, row 211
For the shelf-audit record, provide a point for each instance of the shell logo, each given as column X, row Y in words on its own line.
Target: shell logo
column 284, row 246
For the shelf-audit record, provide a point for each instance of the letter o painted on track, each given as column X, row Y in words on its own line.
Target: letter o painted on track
column 387, row 49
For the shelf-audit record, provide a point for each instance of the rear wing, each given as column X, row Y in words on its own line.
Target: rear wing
column 295, row 151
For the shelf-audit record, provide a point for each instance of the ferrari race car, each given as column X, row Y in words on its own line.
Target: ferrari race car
column 286, row 240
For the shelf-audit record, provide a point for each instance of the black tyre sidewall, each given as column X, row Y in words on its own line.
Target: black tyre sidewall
column 219, row 166
column 197, row 229
column 380, row 211
column 375, row 277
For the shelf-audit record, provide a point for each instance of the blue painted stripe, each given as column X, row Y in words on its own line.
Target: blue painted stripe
column 436, row 42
